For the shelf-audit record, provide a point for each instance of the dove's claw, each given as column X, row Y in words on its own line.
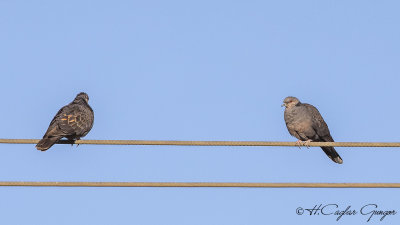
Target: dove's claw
column 299, row 143
column 307, row 143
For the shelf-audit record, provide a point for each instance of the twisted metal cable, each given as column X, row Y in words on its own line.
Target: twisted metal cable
column 198, row 184
column 207, row 143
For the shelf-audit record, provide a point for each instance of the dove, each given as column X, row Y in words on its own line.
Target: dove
column 304, row 122
column 72, row 121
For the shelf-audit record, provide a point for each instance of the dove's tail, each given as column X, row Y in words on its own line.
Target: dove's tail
column 332, row 154
column 46, row 143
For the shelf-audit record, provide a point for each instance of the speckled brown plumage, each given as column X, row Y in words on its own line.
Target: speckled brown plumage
column 72, row 121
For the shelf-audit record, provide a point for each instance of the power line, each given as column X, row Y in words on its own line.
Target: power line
column 198, row 184
column 207, row 143
column 203, row 184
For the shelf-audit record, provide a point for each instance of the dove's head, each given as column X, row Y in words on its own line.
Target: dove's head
column 290, row 101
column 82, row 97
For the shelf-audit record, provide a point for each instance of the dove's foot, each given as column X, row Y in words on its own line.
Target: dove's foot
column 77, row 139
column 307, row 143
column 299, row 143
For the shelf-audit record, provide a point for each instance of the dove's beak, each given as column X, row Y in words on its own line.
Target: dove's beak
column 284, row 104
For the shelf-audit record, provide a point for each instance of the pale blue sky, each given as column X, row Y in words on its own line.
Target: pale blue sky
column 197, row 70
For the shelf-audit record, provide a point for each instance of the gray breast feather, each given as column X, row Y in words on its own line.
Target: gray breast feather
column 305, row 121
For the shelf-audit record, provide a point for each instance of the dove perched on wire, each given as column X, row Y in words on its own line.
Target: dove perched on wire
column 72, row 121
column 304, row 122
